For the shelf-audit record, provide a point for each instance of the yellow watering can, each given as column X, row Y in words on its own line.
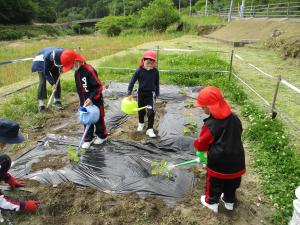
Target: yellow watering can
column 130, row 106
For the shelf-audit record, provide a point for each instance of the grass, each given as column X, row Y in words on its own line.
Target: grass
column 187, row 61
column 92, row 47
column 202, row 20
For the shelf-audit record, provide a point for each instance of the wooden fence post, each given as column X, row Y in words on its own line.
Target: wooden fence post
column 273, row 111
column 157, row 53
column 230, row 65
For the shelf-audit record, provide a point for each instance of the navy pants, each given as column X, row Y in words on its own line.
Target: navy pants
column 42, row 88
column 144, row 99
column 215, row 187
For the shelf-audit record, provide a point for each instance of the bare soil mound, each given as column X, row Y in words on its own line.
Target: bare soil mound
column 256, row 29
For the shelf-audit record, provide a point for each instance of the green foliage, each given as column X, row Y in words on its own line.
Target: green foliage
column 113, row 25
column 113, row 30
column 45, row 11
column 209, row 61
column 190, row 128
column 161, row 168
column 74, row 154
column 158, row 15
column 17, row 32
column 23, row 108
column 17, row 11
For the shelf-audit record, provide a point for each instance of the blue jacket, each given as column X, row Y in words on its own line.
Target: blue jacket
column 148, row 81
column 45, row 60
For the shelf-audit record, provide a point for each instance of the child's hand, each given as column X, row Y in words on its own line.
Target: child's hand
column 88, row 102
column 130, row 97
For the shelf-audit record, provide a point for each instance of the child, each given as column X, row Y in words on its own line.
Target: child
column 221, row 137
column 49, row 63
column 89, row 89
column 148, row 77
column 9, row 134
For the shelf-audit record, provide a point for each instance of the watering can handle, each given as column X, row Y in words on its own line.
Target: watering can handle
column 87, row 127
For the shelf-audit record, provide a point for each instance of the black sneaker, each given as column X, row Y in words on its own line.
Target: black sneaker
column 42, row 108
column 58, row 105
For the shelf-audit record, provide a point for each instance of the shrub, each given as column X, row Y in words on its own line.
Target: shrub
column 113, row 30
column 158, row 15
column 115, row 23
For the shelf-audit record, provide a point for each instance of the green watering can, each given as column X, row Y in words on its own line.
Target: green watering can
column 130, row 106
column 201, row 158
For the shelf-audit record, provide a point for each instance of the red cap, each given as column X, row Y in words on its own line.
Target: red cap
column 79, row 57
column 211, row 97
column 67, row 59
column 150, row 55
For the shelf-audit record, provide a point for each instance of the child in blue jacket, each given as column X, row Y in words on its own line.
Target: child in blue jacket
column 148, row 78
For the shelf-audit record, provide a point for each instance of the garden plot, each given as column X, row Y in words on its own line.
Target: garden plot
column 122, row 164
column 121, row 170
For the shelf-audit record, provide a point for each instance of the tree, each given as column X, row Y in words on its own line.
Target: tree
column 158, row 15
column 46, row 11
column 17, row 11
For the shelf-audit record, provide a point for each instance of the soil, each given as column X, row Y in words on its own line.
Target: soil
column 50, row 161
column 127, row 131
column 238, row 30
column 68, row 204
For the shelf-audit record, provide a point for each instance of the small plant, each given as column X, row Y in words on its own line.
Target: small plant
column 160, row 168
column 74, row 154
column 190, row 128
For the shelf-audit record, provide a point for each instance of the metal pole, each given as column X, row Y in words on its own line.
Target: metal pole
column 252, row 8
column 179, row 7
column 287, row 10
column 230, row 65
column 157, row 55
column 268, row 10
column 243, row 8
column 206, row 2
column 124, row 14
column 273, row 112
column 230, row 11
column 190, row 7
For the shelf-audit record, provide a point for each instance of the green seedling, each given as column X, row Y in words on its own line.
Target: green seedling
column 161, row 168
column 183, row 90
column 74, row 154
column 190, row 128
column 189, row 104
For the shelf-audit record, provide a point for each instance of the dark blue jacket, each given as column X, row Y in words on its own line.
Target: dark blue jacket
column 45, row 60
column 148, row 81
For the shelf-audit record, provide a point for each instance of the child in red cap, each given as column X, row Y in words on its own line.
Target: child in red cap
column 148, row 77
column 89, row 89
column 220, row 136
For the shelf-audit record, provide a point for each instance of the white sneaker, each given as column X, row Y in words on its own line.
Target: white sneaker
column 140, row 127
column 99, row 141
column 227, row 205
column 213, row 207
column 86, row 144
column 151, row 133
